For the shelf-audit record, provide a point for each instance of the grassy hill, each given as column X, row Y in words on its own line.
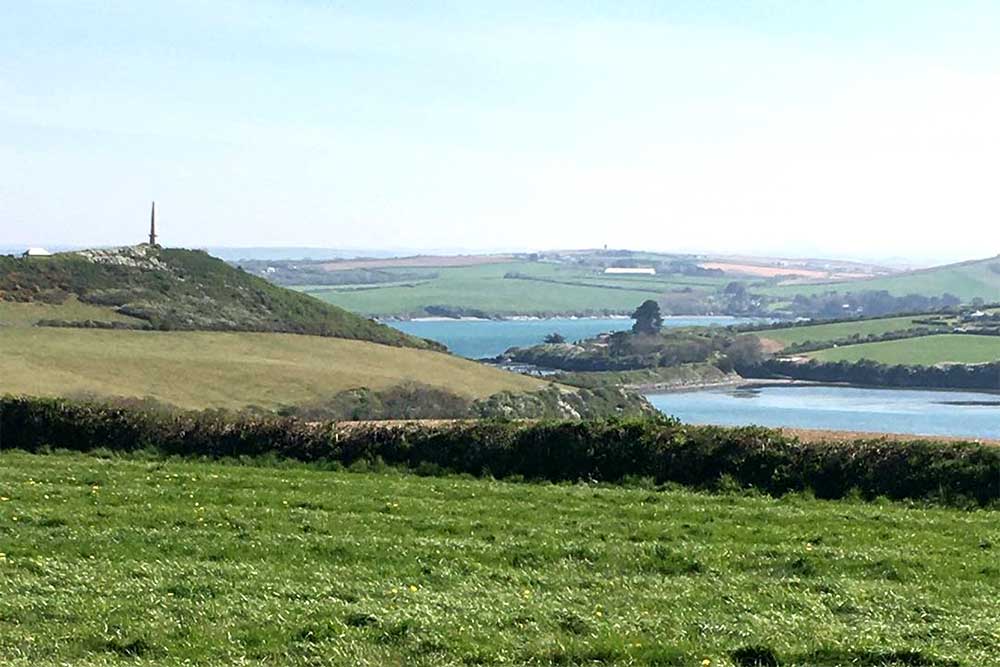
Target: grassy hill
column 838, row 330
column 226, row 564
column 924, row 351
column 176, row 289
column 228, row 369
column 189, row 331
column 30, row 313
column 966, row 280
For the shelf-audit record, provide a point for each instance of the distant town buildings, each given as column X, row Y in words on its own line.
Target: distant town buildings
column 650, row 271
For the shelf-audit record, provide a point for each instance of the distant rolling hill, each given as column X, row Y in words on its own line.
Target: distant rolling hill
column 966, row 280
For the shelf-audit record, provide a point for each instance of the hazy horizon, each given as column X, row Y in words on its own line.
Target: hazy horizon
column 861, row 131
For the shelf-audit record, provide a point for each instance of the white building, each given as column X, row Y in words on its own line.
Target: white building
column 36, row 252
column 635, row 271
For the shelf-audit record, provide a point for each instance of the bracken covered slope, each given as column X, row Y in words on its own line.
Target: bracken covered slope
column 177, row 289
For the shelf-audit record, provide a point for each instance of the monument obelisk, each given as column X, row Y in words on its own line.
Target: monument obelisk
column 152, row 225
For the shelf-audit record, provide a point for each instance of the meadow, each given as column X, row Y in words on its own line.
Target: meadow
column 966, row 280
column 109, row 561
column 923, row 351
column 837, row 330
column 544, row 289
column 26, row 314
column 197, row 370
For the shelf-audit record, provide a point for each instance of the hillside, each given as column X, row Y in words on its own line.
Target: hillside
column 175, row 289
column 834, row 331
column 228, row 369
column 921, row 351
column 966, row 280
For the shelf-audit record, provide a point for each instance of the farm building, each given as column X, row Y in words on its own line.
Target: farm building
column 635, row 271
column 36, row 252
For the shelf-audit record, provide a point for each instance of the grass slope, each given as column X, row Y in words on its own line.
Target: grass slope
column 966, row 280
column 550, row 288
column 224, row 369
column 115, row 562
column 837, row 330
column 925, row 351
column 176, row 289
column 26, row 314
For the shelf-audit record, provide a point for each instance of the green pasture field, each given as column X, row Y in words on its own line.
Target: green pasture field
column 837, row 330
column 151, row 562
column 227, row 370
column 966, row 280
column 925, row 351
column 484, row 287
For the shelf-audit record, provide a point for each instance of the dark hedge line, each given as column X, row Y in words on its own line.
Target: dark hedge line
column 609, row 451
column 874, row 374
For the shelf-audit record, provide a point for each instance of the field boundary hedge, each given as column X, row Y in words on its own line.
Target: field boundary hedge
column 660, row 449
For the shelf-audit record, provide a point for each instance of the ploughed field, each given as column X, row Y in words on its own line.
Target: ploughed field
column 132, row 561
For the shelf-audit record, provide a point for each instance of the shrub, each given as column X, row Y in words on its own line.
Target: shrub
column 615, row 450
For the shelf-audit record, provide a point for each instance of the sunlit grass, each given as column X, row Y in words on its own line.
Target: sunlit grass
column 925, row 350
column 111, row 561
column 225, row 369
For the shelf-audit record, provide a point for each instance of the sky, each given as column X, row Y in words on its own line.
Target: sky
column 865, row 129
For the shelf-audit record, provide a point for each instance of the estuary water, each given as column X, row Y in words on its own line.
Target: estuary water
column 476, row 339
column 911, row 411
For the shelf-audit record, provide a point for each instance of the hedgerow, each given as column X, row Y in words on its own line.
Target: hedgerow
column 661, row 449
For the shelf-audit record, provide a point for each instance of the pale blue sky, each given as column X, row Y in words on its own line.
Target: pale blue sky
column 822, row 128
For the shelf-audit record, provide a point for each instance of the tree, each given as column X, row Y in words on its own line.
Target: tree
column 555, row 338
column 647, row 318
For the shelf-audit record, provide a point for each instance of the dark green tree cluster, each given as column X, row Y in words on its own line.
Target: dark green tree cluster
column 648, row 319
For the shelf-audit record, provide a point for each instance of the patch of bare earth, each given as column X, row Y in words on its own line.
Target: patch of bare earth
column 764, row 271
column 770, row 346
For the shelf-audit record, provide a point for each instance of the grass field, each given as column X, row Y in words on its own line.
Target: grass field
column 484, row 287
column 837, row 330
column 108, row 562
column 926, row 350
column 966, row 280
column 72, row 310
column 226, row 370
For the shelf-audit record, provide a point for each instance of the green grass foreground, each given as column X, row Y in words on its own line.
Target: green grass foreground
column 119, row 561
